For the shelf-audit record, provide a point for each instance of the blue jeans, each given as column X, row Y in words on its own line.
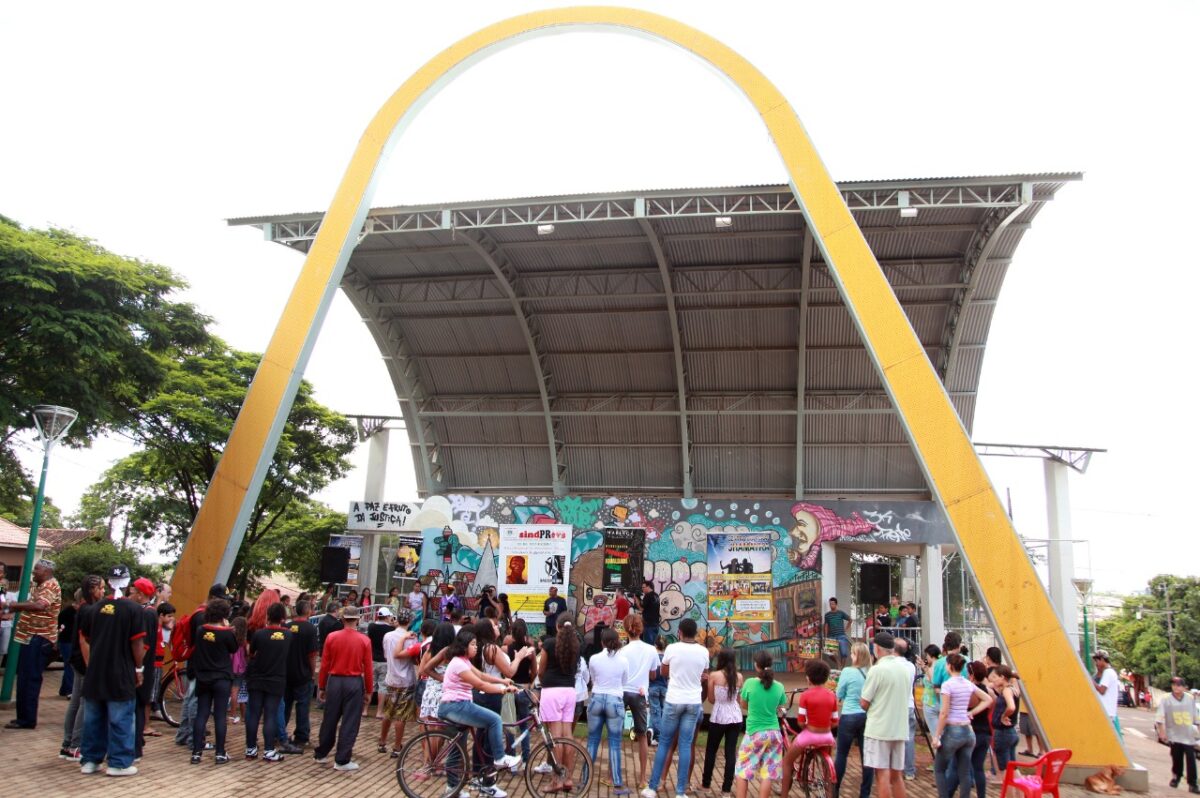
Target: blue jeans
column 955, row 754
column 34, row 657
column 466, row 713
column 910, row 747
column 978, row 761
column 108, row 732
column 650, row 634
column 850, row 731
column 1004, row 743
column 300, row 697
column 68, row 677
column 607, row 711
column 678, row 720
column 264, row 707
column 183, row 735
column 656, row 697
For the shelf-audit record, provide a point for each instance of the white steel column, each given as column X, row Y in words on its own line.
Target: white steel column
column 1061, row 554
column 933, row 616
column 829, row 574
column 377, row 456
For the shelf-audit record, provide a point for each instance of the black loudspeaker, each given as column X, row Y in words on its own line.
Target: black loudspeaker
column 335, row 564
column 874, row 584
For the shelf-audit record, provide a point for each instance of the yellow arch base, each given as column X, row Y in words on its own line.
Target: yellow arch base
column 1054, row 678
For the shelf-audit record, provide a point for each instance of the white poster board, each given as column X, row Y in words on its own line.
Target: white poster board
column 379, row 516
column 533, row 558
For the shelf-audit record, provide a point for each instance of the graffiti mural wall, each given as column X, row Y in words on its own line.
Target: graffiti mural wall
column 460, row 537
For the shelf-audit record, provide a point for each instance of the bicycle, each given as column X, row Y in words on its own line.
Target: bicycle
column 815, row 772
column 434, row 763
column 168, row 703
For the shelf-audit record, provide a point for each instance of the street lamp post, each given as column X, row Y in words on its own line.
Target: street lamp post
column 52, row 423
column 1084, row 588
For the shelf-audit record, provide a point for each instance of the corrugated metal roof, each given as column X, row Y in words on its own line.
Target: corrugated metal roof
column 595, row 304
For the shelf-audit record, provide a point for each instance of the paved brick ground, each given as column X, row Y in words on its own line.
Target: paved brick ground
column 29, row 762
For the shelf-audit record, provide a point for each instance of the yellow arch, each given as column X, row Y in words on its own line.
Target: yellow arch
column 1054, row 678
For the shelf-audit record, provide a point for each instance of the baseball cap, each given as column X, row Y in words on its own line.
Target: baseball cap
column 1101, row 654
column 145, row 586
column 217, row 591
column 349, row 612
column 118, row 572
column 384, row 612
column 885, row 640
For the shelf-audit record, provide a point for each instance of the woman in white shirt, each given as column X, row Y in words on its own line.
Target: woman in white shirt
column 607, row 709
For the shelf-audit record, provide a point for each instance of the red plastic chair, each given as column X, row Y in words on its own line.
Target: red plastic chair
column 1047, row 770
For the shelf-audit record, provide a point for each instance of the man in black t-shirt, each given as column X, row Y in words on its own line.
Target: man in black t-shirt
column 266, row 678
column 650, row 613
column 553, row 607
column 112, row 639
column 302, row 656
column 140, row 593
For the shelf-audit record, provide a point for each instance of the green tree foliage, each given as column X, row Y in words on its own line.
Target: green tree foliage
column 17, row 493
column 1141, row 645
column 96, row 557
column 156, row 492
column 81, row 327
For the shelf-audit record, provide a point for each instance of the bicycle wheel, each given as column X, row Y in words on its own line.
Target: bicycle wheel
column 433, row 765
column 170, row 697
column 542, row 758
column 819, row 776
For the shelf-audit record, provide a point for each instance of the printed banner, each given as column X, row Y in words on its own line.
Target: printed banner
column 379, row 516
column 739, row 576
column 623, row 556
column 408, row 557
column 533, row 559
column 354, row 543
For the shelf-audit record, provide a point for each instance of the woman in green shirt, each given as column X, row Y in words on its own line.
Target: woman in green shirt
column 761, row 751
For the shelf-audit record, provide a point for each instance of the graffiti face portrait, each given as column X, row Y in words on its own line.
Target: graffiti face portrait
column 805, row 533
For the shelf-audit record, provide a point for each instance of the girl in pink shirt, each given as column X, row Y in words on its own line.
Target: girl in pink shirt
column 457, row 706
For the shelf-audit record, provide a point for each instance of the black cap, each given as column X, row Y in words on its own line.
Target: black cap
column 217, row 591
column 885, row 640
column 118, row 572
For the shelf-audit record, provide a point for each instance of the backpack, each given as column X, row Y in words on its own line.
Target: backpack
column 183, row 640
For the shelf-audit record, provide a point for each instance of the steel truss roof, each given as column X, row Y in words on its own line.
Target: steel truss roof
column 670, row 342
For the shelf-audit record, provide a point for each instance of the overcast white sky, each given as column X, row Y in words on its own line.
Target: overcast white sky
column 145, row 127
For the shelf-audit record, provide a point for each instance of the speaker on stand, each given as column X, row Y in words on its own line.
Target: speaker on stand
column 335, row 564
column 874, row 584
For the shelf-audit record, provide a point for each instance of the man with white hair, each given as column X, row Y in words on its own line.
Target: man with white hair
column 36, row 631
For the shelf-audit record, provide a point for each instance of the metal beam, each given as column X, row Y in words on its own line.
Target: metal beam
column 994, row 224
column 768, row 200
column 1074, row 457
column 664, row 273
column 802, row 355
column 402, row 368
column 725, row 350
column 510, row 283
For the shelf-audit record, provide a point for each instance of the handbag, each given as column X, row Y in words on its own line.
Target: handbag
column 508, row 708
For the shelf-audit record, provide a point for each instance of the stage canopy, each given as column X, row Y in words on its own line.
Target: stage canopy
column 674, row 343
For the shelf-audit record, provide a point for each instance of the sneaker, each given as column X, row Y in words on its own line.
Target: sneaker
column 544, row 769
column 76, row 756
column 222, row 759
column 620, row 791
column 196, row 758
column 290, row 749
column 209, row 746
column 64, row 753
column 321, row 760
column 910, row 776
column 381, row 748
column 1194, row 789
column 494, row 792
column 680, row 795
column 649, row 793
column 507, row 762
column 1174, row 781
column 129, row 771
column 347, row 766
column 272, row 756
column 88, row 768
column 252, row 752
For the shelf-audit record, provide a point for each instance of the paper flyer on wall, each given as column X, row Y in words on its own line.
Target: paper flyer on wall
column 533, row 558
column 623, row 558
column 739, row 576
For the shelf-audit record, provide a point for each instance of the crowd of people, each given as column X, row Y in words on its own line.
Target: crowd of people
column 260, row 665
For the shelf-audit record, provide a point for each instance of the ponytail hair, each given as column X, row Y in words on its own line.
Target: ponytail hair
column 566, row 646
column 610, row 640
column 765, row 664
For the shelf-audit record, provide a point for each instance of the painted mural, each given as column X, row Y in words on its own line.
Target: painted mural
column 460, row 537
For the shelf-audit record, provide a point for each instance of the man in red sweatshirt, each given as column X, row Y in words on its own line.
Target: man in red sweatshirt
column 344, row 681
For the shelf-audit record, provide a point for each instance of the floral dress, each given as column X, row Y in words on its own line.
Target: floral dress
column 433, row 696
